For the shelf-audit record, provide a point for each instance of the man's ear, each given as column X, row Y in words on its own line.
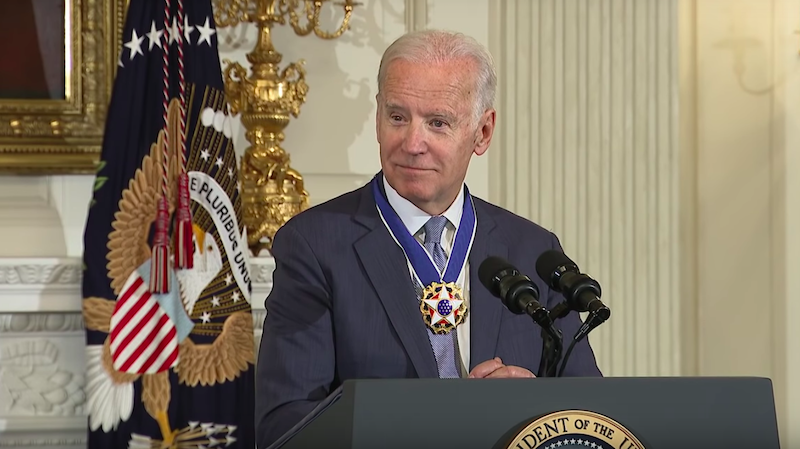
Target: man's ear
column 483, row 136
column 378, row 118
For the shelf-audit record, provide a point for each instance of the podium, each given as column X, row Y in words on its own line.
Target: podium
column 544, row 413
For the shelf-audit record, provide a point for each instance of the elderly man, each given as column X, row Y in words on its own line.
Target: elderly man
column 357, row 280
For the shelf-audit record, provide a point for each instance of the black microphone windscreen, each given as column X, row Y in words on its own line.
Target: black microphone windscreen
column 549, row 261
column 489, row 269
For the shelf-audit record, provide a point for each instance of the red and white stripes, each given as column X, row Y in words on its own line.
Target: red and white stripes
column 143, row 339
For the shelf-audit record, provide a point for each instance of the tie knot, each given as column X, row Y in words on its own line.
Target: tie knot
column 434, row 228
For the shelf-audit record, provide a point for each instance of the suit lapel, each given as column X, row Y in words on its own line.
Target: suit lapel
column 485, row 309
column 385, row 265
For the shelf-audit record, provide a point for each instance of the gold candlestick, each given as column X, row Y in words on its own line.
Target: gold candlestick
column 272, row 191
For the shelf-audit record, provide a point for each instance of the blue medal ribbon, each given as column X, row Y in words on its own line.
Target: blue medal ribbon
column 420, row 260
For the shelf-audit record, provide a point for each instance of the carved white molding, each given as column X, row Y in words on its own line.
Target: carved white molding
column 67, row 271
column 56, row 433
column 41, row 322
column 42, row 365
column 258, row 320
column 35, row 380
column 40, row 272
column 64, row 322
column 54, row 284
column 261, row 272
column 40, row 284
column 70, row 322
column 36, row 442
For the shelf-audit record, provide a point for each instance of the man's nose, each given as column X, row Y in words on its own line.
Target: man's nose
column 415, row 139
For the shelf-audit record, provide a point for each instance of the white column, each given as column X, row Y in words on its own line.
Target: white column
column 588, row 148
column 30, row 224
column 786, row 296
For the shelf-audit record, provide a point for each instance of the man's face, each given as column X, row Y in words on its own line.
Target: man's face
column 426, row 130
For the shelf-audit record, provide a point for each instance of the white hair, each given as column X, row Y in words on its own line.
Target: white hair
column 437, row 46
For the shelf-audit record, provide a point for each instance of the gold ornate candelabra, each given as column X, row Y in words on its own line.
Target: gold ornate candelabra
column 272, row 191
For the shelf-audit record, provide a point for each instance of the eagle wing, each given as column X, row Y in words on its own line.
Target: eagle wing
column 97, row 313
column 222, row 360
column 109, row 393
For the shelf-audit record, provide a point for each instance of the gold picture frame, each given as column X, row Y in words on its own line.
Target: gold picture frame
column 63, row 134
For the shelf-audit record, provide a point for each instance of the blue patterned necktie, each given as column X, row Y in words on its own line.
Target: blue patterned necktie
column 444, row 345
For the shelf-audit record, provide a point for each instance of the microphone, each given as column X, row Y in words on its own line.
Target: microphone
column 581, row 291
column 517, row 292
column 521, row 296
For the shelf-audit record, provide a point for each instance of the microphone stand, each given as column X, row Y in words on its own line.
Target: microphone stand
column 561, row 310
column 553, row 343
column 551, row 352
column 552, row 346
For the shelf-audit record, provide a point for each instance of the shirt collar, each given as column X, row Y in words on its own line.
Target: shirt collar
column 415, row 218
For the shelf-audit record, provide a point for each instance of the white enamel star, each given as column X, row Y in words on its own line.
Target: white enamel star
column 434, row 302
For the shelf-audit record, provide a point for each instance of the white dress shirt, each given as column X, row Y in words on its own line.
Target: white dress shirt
column 414, row 219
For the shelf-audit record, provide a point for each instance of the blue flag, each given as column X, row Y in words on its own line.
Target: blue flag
column 166, row 285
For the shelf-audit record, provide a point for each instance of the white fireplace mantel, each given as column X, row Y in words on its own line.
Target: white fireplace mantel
column 42, row 361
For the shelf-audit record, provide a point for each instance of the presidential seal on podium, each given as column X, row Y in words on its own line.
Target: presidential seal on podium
column 570, row 429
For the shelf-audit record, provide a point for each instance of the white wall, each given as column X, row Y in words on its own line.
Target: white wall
column 786, row 335
column 739, row 90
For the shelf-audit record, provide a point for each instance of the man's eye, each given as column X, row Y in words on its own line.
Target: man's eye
column 396, row 118
column 438, row 123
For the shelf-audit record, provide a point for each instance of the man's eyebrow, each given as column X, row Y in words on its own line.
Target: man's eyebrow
column 442, row 113
column 389, row 105
column 449, row 115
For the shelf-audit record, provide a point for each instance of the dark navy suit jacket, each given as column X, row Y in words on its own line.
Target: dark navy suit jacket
column 343, row 306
